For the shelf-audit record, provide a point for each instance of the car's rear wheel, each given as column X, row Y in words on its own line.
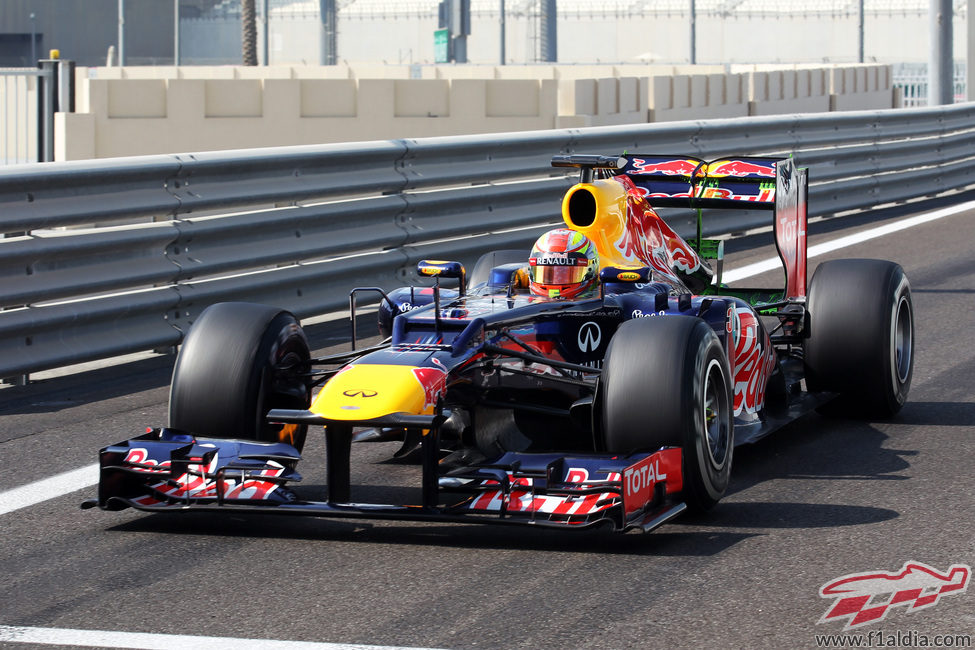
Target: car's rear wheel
column 666, row 382
column 238, row 361
column 861, row 335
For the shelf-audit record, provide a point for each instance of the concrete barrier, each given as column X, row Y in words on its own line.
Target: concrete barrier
column 18, row 118
column 602, row 102
column 788, row 91
column 147, row 110
column 855, row 88
column 121, row 117
column 685, row 97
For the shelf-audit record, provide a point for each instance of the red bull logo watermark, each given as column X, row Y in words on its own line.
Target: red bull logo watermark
column 864, row 598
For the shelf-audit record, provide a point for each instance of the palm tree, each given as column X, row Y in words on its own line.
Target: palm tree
column 248, row 21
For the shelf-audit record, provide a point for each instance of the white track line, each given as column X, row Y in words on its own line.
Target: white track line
column 105, row 639
column 850, row 240
column 68, row 482
column 28, row 495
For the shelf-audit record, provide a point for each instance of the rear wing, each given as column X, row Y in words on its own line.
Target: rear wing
column 734, row 182
column 687, row 182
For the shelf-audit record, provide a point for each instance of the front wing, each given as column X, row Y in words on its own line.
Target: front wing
column 167, row 470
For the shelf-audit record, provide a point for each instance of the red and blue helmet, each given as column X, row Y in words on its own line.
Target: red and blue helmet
column 563, row 264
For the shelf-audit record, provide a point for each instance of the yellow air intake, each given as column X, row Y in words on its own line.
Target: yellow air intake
column 598, row 211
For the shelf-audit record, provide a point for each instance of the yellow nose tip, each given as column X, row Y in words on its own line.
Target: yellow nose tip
column 367, row 391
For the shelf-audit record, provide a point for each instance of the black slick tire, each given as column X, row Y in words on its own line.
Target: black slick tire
column 238, row 361
column 666, row 382
column 861, row 336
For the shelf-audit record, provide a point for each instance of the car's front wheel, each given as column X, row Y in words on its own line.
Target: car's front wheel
column 239, row 361
column 666, row 382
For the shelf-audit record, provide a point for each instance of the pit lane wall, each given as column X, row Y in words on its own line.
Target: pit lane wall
column 143, row 110
column 100, row 258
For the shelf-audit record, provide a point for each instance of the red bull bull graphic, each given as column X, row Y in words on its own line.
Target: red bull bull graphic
column 647, row 240
column 676, row 182
column 433, row 381
column 865, row 598
column 741, row 168
column 669, row 167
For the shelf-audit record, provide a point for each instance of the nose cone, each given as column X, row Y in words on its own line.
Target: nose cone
column 367, row 391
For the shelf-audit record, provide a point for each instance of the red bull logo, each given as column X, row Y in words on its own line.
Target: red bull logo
column 666, row 167
column 200, row 480
column 864, row 598
column 765, row 194
column 741, row 169
column 138, row 459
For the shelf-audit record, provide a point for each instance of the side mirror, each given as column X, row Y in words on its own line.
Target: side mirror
column 439, row 269
column 628, row 274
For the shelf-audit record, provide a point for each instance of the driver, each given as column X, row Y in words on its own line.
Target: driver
column 563, row 264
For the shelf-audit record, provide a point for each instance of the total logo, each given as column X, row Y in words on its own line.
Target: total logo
column 590, row 336
column 642, row 476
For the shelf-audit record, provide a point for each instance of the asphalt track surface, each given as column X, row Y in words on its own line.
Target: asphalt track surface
column 820, row 499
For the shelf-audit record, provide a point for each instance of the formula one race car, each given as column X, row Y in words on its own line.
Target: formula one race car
column 604, row 378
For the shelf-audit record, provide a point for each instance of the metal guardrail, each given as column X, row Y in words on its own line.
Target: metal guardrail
column 106, row 257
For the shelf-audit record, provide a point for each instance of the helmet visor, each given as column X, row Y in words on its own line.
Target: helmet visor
column 544, row 274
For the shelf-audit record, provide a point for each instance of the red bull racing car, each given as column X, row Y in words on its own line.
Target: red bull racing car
column 616, row 404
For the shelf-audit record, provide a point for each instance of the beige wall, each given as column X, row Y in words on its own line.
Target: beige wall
column 146, row 110
column 18, row 119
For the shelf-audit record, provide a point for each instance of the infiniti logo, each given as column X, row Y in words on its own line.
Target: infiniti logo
column 358, row 392
column 589, row 336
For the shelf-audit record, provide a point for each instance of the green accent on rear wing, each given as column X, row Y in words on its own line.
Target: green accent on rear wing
column 764, row 301
column 709, row 249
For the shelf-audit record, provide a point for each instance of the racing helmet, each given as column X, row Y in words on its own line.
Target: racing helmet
column 563, row 264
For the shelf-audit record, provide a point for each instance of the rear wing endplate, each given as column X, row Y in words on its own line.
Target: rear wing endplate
column 789, row 224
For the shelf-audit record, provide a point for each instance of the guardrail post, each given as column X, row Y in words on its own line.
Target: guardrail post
column 65, row 91
column 47, row 102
